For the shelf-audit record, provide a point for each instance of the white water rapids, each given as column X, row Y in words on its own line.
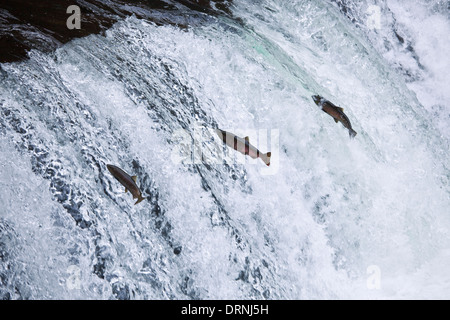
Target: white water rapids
column 332, row 218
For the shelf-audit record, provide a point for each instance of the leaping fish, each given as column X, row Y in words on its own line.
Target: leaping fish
column 128, row 182
column 243, row 146
column 336, row 112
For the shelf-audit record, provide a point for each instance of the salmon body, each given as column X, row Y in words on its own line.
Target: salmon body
column 243, row 146
column 337, row 113
column 127, row 181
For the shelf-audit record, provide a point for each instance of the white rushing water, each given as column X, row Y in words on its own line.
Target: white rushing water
column 331, row 218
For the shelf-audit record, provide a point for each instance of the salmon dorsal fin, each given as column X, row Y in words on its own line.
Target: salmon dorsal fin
column 247, row 139
column 134, row 178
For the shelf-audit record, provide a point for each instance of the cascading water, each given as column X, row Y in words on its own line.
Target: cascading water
column 332, row 218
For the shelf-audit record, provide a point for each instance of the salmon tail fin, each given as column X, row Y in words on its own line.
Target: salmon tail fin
column 140, row 198
column 266, row 158
column 352, row 133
